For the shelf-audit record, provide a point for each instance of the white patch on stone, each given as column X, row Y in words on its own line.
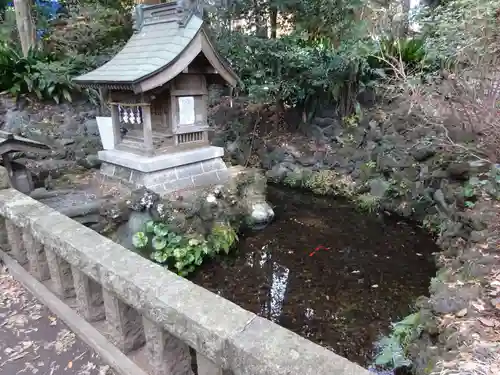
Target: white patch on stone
column 262, row 213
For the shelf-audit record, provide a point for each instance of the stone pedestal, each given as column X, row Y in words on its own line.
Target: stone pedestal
column 166, row 173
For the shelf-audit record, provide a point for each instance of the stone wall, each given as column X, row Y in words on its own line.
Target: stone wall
column 144, row 304
column 388, row 162
column 189, row 176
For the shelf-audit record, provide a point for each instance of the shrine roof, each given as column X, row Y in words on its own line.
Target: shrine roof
column 13, row 143
column 164, row 33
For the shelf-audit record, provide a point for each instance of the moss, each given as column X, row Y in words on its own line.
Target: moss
column 368, row 202
column 293, row 180
column 322, row 182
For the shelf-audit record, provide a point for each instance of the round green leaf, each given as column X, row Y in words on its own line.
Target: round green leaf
column 175, row 240
column 159, row 256
column 160, row 229
column 193, row 242
column 139, row 240
column 159, row 243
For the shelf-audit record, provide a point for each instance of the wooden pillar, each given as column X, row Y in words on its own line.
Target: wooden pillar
column 148, row 129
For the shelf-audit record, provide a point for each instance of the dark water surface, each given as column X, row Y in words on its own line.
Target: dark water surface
column 343, row 298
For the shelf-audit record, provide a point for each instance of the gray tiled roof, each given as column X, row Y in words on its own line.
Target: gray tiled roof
column 152, row 48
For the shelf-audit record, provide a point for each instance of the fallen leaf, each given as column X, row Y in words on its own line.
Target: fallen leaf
column 496, row 303
column 487, row 322
column 478, row 306
column 461, row 313
column 53, row 320
column 70, row 364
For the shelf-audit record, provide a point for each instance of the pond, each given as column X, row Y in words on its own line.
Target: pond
column 327, row 272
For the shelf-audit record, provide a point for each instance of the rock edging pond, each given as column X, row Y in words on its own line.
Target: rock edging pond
column 387, row 166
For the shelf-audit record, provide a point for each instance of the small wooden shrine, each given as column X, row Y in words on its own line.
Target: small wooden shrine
column 20, row 177
column 157, row 91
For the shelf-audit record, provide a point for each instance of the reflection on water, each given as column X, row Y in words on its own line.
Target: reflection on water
column 272, row 306
column 343, row 297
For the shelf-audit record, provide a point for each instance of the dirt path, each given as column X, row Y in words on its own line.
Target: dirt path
column 34, row 341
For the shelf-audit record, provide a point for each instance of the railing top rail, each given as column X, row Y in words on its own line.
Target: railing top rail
column 215, row 327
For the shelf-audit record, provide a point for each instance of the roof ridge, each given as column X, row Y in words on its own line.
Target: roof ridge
column 179, row 11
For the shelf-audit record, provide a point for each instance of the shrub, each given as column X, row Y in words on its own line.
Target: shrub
column 39, row 74
column 90, row 31
column 14, row 67
column 407, row 53
column 296, row 73
column 462, row 30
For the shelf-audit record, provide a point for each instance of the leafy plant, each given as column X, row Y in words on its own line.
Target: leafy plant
column 297, row 72
column 91, row 30
column 472, row 189
column 393, row 353
column 433, row 223
column 293, row 179
column 179, row 252
column 222, row 238
column 39, row 74
column 368, row 202
column 410, row 52
column 321, row 182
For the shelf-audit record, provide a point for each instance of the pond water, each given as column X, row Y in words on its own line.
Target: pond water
column 343, row 296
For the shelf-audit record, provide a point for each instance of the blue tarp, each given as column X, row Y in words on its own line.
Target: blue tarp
column 48, row 8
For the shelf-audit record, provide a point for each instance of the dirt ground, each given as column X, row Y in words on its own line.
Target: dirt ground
column 35, row 341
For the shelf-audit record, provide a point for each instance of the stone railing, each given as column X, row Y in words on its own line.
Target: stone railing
column 145, row 304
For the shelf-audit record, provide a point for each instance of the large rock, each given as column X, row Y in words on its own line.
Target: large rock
column 261, row 215
column 142, row 199
column 423, row 153
column 378, row 187
column 4, row 178
column 277, row 173
column 126, row 231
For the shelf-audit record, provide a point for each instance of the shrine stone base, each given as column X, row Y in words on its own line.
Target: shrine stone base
column 166, row 173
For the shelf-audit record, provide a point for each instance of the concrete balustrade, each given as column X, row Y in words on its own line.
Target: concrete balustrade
column 145, row 304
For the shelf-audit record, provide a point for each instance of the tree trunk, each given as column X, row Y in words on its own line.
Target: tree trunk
column 260, row 19
column 405, row 21
column 273, row 15
column 25, row 25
